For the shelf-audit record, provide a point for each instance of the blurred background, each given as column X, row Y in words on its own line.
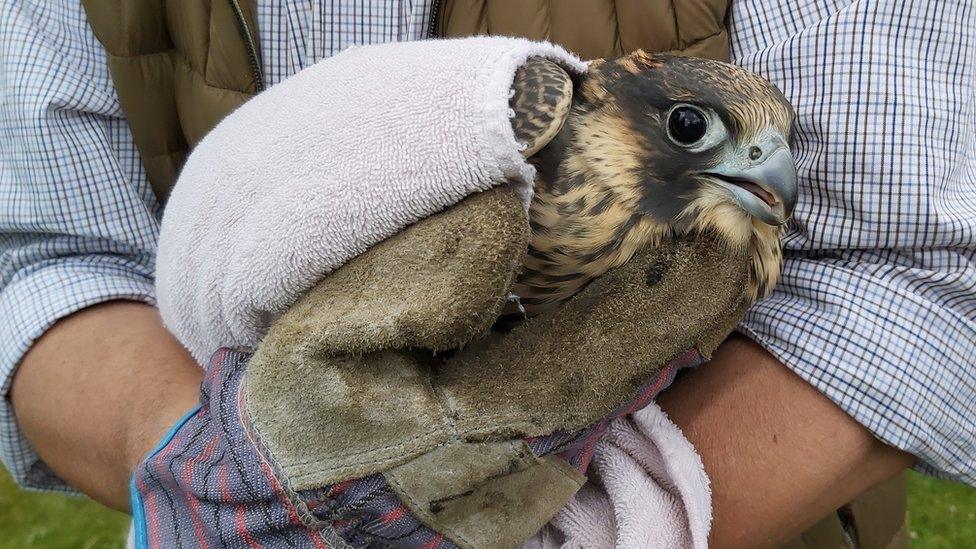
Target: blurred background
column 941, row 515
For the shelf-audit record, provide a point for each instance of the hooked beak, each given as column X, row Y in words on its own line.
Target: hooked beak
column 762, row 180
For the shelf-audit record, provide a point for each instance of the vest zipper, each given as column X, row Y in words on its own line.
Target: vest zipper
column 249, row 44
column 435, row 9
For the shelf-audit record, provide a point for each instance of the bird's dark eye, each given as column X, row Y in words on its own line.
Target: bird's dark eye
column 686, row 125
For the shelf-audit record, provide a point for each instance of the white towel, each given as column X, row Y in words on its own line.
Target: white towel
column 647, row 490
column 318, row 168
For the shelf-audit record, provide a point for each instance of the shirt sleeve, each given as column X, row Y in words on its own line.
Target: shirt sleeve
column 877, row 303
column 78, row 220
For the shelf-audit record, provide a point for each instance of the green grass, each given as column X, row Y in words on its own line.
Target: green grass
column 942, row 515
column 30, row 519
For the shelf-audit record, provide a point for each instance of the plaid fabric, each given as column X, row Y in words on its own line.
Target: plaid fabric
column 877, row 304
column 366, row 513
column 208, row 487
column 297, row 33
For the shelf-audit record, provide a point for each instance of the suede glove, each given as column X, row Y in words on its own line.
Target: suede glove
column 357, row 383
column 208, row 483
column 353, row 425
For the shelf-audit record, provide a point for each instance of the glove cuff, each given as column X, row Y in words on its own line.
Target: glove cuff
column 140, row 531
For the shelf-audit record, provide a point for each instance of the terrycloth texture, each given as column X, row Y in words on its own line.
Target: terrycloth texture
column 647, row 490
column 315, row 170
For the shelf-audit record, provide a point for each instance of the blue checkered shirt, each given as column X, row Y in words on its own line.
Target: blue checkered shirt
column 877, row 307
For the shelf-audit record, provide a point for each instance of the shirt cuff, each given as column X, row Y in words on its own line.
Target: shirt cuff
column 885, row 349
column 31, row 304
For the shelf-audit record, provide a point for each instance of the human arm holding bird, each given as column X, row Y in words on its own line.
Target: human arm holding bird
column 717, row 423
column 633, row 192
column 816, row 448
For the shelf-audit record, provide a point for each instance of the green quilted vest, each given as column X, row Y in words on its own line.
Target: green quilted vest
column 180, row 66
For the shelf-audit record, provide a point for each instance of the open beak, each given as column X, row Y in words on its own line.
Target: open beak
column 762, row 179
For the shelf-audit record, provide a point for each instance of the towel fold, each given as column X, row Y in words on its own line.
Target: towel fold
column 318, row 168
column 647, row 490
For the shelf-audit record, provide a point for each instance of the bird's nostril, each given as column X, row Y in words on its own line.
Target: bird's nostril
column 755, row 153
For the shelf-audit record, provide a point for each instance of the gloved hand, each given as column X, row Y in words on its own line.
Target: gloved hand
column 343, row 430
column 207, row 484
column 486, row 445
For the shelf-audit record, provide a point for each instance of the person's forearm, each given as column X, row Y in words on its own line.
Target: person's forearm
column 98, row 390
column 779, row 454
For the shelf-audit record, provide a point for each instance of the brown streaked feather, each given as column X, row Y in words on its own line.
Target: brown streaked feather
column 582, row 213
column 542, row 96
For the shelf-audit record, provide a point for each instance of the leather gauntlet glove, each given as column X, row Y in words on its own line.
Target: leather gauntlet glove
column 354, row 385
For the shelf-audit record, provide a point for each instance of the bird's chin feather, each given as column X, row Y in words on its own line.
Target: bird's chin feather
column 712, row 212
column 767, row 259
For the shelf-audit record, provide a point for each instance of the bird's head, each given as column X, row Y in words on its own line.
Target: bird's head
column 694, row 144
column 697, row 133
